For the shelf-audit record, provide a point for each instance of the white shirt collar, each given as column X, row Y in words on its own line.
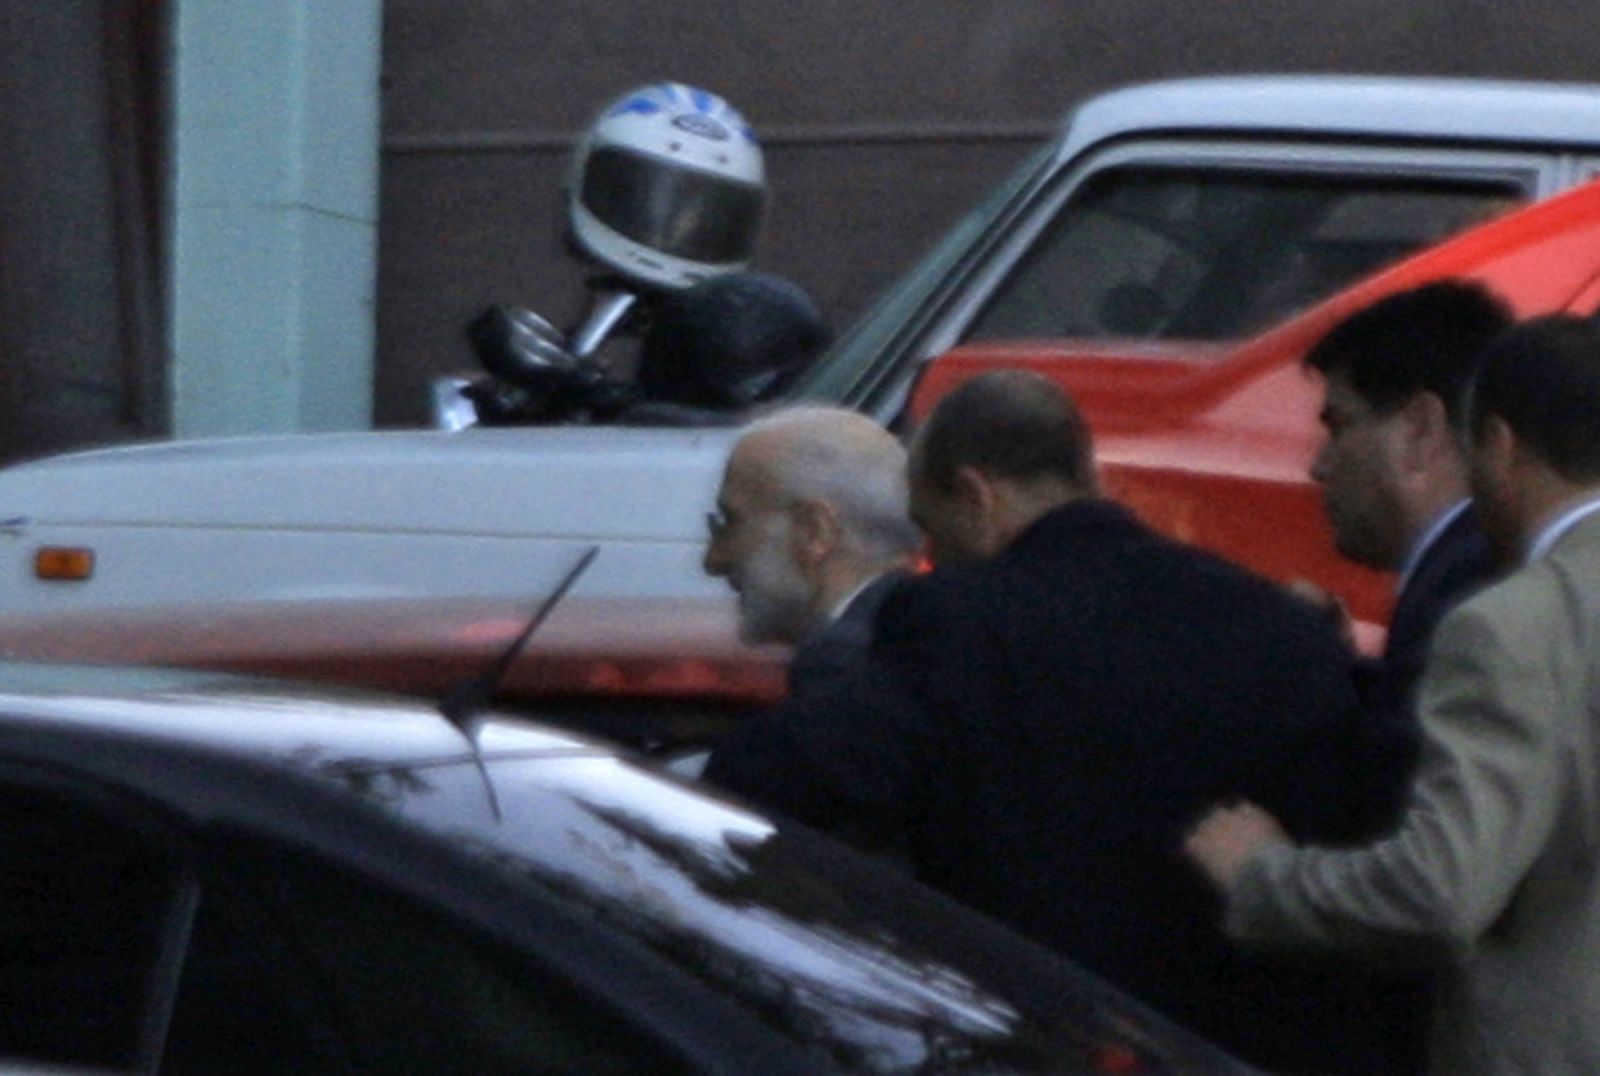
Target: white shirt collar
column 1568, row 518
column 1420, row 547
column 844, row 603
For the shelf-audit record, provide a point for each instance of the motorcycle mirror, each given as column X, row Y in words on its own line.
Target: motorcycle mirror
column 525, row 321
column 520, row 347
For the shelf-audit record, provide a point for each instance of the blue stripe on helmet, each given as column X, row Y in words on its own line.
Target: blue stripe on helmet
column 641, row 104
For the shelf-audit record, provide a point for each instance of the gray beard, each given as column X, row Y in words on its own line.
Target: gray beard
column 775, row 600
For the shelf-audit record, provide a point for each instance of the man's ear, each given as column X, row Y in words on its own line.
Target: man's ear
column 1495, row 446
column 1427, row 433
column 1519, row 452
column 816, row 532
column 972, row 489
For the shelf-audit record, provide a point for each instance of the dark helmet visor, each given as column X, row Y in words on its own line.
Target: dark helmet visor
column 678, row 211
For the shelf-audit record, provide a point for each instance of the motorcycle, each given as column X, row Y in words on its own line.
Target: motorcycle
column 708, row 353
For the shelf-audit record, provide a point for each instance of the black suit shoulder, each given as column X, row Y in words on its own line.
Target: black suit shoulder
column 1458, row 563
column 841, row 647
column 1455, row 566
column 831, row 754
column 1081, row 699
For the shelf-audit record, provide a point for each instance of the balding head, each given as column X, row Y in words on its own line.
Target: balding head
column 1012, row 424
column 844, row 459
column 813, row 503
column 997, row 453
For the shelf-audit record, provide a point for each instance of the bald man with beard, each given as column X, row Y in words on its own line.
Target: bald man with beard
column 811, row 530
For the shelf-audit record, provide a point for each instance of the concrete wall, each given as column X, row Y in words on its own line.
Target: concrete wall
column 882, row 121
column 274, row 216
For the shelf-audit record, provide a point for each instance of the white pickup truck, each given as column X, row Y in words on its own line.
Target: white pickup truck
column 1185, row 214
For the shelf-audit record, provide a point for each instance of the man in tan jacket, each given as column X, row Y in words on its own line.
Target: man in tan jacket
column 1494, row 871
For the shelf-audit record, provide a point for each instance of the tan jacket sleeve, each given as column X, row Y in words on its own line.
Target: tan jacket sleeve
column 1483, row 807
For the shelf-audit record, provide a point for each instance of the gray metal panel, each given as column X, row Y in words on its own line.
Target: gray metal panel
column 1503, row 113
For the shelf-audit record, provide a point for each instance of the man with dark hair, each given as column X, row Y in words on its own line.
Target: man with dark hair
column 1542, row 384
column 1044, row 712
column 1494, row 869
column 1017, row 426
column 1393, row 472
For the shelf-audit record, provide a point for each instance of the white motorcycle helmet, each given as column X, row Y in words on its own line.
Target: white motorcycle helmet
column 667, row 187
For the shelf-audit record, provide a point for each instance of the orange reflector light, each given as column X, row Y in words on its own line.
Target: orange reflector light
column 64, row 563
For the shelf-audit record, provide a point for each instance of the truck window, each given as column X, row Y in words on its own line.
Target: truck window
column 1165, row 253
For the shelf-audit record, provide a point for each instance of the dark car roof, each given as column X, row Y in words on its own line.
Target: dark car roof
column 257, row 718
column 836, row 952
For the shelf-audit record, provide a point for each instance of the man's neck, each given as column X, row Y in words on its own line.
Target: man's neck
column 1424, row 539
column 1427, row 506
column 843, row 585
column 844, row 602
column 1554, row 513
column 1020, row 505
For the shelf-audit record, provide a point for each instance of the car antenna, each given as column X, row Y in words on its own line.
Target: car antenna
column 466, row 700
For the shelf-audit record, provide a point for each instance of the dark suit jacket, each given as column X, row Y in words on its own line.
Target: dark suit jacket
column 1043, row 729
column 1457, row 563
column 828, row 662
column 840, row 649
column 1495, row 868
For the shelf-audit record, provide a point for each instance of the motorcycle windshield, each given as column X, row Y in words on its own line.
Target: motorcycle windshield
column 677, row 211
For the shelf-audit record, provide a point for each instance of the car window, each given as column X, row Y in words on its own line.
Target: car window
column 114, row 955
column 87, row 912
column 1210, row 254
column 416, row 992
column 247, row 1003
column 846, row 372
column 125, row 949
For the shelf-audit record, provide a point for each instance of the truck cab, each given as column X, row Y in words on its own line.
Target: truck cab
column 1207, row 209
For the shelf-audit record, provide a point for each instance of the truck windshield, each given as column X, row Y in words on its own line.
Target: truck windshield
column 1153, row 252
column 1217, row 254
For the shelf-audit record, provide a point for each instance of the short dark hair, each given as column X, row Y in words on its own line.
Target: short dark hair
column 1427, row 339
column 1012, row 424
column 1542, row 378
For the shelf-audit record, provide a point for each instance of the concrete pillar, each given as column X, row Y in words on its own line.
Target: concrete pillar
column 275, row 144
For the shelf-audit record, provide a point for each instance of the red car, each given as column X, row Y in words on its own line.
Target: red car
column 1212, row 442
